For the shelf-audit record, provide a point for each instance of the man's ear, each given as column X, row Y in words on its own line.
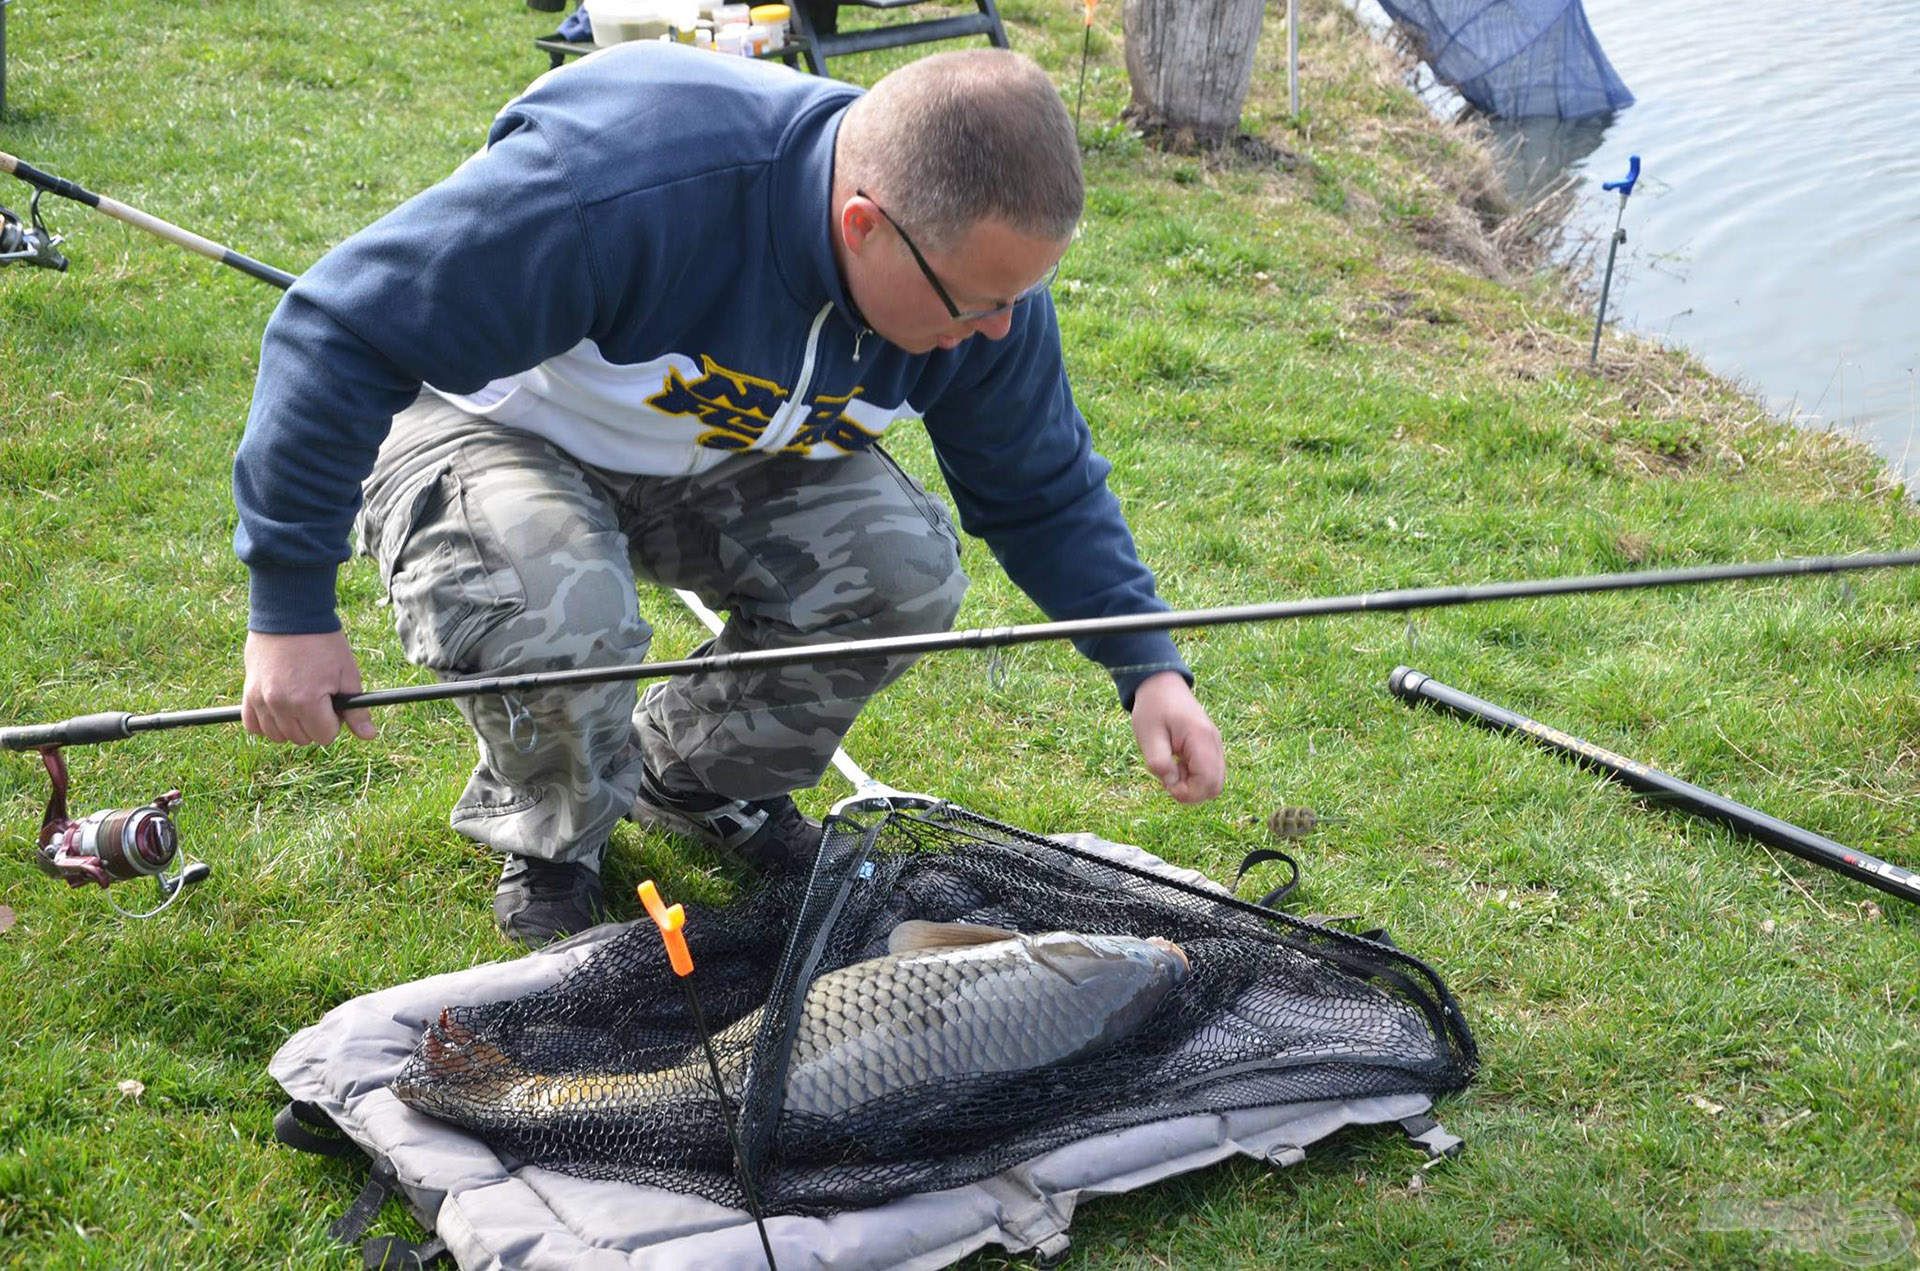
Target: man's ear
column 858, row 220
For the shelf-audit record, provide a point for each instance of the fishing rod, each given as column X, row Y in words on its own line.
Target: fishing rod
column 47, row 183
column 116, row 725
column 115, row 844
column 1415, row 687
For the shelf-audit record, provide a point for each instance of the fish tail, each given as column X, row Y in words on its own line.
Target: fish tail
column 465, row 1072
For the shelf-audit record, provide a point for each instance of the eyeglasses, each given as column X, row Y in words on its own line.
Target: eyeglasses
column 954, row 311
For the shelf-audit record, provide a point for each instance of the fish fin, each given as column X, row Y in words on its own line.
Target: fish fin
column 917, row 935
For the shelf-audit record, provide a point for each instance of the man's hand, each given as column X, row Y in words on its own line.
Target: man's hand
column 291, row 681
column 1177, row 739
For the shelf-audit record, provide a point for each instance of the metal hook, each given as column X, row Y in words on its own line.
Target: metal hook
column 996, row 672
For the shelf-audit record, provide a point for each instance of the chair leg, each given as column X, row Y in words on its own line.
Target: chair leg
column 814, row 18
column 998, row 35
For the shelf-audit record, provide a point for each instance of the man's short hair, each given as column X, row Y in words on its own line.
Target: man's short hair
column 958, row 138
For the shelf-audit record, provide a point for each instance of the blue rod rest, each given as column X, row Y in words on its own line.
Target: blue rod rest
column 1625, row 184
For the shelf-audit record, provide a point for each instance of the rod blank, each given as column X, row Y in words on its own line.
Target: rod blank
column 1414, row 686
column 109, row 727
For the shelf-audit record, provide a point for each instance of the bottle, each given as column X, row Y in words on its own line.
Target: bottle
column 775, row 18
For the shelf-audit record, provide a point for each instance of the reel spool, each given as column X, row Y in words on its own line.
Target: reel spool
column 115, row 845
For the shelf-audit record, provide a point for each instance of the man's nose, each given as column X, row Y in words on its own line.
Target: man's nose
column 995, row 326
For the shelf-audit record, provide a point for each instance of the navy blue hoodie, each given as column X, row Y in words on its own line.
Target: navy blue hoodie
column 638, row 268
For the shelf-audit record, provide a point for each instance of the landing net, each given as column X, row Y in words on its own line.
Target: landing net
column 1276, row 1010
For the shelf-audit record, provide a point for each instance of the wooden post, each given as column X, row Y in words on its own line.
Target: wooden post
column 1190, row 63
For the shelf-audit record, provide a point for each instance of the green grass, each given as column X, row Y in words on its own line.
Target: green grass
column 1304, row 391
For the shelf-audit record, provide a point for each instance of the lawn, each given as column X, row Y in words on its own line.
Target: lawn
column 1319, row 368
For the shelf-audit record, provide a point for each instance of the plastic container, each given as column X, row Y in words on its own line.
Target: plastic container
column 773, row 19
column 728, row 14
column 617, row 21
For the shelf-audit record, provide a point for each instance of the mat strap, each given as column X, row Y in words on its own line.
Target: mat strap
column 1259, row 856
column 306, row 1127
column 391, row 1253
column 1432, row 1138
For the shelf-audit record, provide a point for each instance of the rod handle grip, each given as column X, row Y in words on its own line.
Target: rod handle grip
column 81, row 730
column 672, row 921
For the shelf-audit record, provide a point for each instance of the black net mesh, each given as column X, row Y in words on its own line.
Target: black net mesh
column 604, row 1075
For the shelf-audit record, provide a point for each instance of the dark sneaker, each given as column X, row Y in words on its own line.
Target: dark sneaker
column 538, row 902
column 770, row 835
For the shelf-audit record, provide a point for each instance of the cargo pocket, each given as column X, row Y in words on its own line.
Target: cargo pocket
column 916, row 494
column 450, row 586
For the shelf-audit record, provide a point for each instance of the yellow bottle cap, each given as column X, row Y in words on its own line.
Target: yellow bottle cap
column 770, row 14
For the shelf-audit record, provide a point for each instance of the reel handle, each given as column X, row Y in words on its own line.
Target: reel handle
column 189, row 875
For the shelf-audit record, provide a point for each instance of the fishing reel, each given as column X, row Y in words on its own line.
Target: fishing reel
column 29, row 244
column 116, row 845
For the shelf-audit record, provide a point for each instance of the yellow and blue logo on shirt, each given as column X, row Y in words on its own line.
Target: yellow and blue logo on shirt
column 737, row 408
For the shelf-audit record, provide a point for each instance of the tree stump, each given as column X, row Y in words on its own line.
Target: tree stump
column 1190, row 63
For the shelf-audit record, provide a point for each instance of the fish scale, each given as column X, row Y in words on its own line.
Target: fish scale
column 906, row 1020
column 991, row 1003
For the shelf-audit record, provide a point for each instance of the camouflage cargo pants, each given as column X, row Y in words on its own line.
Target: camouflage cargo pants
column 502, row 554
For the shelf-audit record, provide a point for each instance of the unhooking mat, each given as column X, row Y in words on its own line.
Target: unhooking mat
column 492, row 1207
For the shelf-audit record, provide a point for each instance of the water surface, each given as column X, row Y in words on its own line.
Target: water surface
column 1776, row 228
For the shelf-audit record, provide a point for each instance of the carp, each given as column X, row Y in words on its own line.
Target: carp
column 947, row 1001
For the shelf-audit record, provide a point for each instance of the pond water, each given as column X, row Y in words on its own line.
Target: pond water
column 1775, row 231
